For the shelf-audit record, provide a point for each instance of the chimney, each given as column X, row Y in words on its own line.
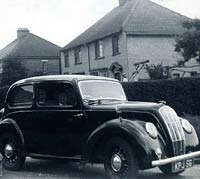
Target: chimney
column 22, row 32
column 122, row 2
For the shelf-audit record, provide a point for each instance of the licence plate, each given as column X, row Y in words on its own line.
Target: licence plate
column 180, row 166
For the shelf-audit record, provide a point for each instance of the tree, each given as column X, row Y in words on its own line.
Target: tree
column 157, row 72
column 13, row 70
column 188, row 43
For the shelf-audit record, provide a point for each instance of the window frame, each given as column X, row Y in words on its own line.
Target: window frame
column 99, row 49
column 98, row 72
column 66, row 59
column 115, row 44
column 21, row 106
column 77, row 56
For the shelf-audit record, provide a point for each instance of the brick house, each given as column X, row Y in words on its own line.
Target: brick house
column 124, row 40
column 37, row 55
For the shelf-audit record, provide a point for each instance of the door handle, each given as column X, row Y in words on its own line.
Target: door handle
column 78, row 115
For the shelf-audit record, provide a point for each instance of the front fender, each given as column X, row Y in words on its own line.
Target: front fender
column 9, row 124
column 133, row 131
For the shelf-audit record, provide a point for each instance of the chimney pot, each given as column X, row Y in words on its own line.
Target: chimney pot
column 22, row 32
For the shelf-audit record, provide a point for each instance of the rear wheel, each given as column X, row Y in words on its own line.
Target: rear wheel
column 11, row 150
column 120, row 161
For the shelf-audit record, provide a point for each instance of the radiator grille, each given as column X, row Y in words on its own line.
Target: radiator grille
column 175, row 129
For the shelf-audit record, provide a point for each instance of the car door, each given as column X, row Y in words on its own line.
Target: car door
column 19, row 108
column 61, row 123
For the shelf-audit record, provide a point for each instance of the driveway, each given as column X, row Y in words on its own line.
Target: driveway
column 47, row 169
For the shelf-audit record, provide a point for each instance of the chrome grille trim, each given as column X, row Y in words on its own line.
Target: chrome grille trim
column 174, row 128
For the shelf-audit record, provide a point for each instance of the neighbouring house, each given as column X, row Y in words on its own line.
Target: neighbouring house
column 37, row 55
column 133, row 34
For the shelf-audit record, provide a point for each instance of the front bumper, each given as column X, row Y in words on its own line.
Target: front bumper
column 179, row 158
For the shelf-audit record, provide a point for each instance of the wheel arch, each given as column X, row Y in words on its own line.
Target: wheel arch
column 131, row 131
column 9, row 125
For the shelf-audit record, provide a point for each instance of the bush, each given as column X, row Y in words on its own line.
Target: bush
column 182, row 94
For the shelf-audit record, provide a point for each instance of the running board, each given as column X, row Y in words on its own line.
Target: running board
column 42, row 156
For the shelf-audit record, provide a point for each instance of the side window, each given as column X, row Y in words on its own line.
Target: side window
column 21, row 96
column 56, row 94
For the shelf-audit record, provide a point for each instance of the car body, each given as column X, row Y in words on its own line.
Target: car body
column 89, row 119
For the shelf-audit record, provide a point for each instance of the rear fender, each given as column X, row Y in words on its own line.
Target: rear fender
column 9, row 124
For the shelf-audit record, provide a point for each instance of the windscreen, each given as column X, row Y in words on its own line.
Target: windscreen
column 97, row 89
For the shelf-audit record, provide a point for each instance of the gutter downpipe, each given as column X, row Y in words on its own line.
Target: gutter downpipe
column 89, row 62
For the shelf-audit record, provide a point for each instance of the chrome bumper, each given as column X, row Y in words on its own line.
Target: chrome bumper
column 175, row 159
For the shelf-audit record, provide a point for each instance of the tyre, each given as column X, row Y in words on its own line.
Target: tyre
column 12, row 152
column 120, row 161
column 167, row 169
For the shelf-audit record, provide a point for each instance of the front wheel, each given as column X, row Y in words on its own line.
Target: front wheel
column 11, row 150
column 120, row 161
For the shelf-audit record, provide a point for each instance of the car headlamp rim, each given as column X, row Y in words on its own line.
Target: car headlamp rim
column 186, row 126
column 151, row 130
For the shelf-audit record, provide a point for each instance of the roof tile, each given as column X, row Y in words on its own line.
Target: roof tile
column 30, row 46
column 135, row 17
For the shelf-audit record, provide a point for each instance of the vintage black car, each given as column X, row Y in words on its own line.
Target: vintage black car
column 88, row 119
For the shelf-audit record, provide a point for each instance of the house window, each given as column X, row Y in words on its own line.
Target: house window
column 115, row 44
column 99, row 49
column 66, row 60
column 77, row 54
column 94, row 73
column 100, row 73
column 79, row 73
column 103, row 73
column 44, row 66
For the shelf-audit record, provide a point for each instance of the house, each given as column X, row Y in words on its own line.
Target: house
column 37, row 55
column 133, row 34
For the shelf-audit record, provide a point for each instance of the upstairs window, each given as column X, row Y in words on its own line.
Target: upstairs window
column 66, row 59
column 99, row 49
column 21, row 96
column 77, row 54
column 115, row 44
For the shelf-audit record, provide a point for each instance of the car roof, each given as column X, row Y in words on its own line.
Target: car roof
column 62, row 78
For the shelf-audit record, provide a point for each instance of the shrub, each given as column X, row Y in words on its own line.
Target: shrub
column 182, row 94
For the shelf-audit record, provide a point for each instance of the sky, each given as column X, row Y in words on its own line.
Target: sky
column 60, row 21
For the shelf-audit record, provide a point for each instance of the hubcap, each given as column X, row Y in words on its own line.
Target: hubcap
column 8, row 151
column 116, row 163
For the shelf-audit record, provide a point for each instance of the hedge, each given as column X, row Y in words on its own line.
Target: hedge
column 183, row 94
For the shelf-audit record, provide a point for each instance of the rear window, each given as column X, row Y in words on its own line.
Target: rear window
column 21, row 96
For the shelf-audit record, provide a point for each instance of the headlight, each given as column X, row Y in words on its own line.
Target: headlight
column 151, row 130
column 186, row 126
